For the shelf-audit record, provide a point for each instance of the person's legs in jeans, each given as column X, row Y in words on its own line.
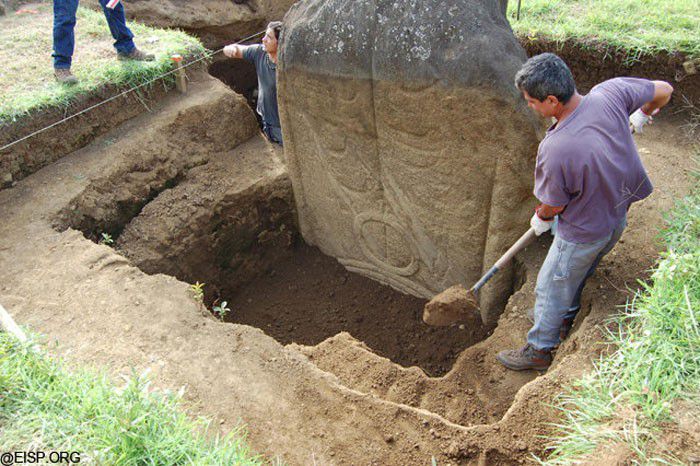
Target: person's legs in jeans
column 576, row 303
column 63, row 35
column 562, row 273
column 123, row 37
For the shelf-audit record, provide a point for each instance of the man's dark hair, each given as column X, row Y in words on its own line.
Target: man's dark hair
column 276, row 26
column 546, row 74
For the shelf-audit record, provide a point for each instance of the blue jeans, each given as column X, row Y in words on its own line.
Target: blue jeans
column 64, row 23
column 560, row 284
column 273, row 133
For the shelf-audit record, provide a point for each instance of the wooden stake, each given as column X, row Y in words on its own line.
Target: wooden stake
column 180, row 76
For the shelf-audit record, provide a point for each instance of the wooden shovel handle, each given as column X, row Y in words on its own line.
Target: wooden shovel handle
column 527, row 238
column 519, row 245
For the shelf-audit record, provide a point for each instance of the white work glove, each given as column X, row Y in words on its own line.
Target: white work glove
column 230, row 50
column 638, row 119
column 539, row 225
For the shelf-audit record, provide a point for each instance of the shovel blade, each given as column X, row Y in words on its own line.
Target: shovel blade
column 452, row 305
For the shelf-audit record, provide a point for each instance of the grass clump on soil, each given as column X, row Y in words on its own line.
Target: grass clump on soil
column 44, row 407
column 638, row 27
column 26, row 71
column 656, row 361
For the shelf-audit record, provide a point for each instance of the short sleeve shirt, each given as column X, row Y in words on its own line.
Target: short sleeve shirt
column 267, row 83
column 590, row 164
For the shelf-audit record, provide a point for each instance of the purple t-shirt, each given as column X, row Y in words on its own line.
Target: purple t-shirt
column 589, row 162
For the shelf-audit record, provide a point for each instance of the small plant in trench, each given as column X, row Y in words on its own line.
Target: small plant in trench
column 106, row 239
column 197, row 290
column 221, row 310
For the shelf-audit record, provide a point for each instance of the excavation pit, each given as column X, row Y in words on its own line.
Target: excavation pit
column 241, row 240
column 310, row 297
column 106, row 313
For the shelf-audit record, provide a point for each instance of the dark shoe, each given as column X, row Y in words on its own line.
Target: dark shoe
column 564, row 330
column 137, row 55
column 525, row 358
column 64, row 76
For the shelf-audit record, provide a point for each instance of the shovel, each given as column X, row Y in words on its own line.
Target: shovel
column 457, row 302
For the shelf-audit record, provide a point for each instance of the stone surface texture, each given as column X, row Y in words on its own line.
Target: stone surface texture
column 410, row 151
column 216, row 22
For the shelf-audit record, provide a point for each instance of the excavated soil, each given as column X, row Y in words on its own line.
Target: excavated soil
column 310, row 297
column 188, row 201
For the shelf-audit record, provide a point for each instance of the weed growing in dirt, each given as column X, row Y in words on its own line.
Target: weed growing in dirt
column 639, row 27
column 106, row 239
column 44, row 407
column 221, row 310
column 27, row 81
column 656, row 359
column 197, row 291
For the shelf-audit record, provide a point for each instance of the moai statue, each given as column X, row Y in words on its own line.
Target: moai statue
column 410, row 151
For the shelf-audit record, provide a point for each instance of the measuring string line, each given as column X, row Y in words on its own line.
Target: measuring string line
column 92, row 107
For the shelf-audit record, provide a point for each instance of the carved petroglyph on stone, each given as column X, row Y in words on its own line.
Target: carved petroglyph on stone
column 410, row 154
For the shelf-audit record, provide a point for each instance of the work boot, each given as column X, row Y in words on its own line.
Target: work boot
column 137, row 55
column 64, row 76
column 564, row 330
column 525, row 358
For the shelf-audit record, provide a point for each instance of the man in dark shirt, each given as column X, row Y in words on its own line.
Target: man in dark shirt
column 264, row 57
column 587, row 174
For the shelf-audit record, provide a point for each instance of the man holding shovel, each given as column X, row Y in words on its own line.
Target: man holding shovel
column 587, row 175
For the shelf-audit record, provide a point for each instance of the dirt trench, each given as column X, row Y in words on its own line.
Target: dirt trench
column 340, row 370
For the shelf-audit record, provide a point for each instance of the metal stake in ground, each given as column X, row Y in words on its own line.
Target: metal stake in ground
column 456, row 302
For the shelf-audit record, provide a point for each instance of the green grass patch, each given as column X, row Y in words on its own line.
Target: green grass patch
column 637, row 27
column 45, row 407
column 26, row 70
column 656, row 360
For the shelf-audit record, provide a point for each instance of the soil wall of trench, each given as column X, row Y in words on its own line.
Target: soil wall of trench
column 592, row 62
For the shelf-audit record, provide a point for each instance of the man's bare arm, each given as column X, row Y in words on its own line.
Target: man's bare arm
column 662, row 95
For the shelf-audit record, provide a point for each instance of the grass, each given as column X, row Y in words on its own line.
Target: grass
column 656, row 361
column 637, row 27
column 44, row 407
column 26, row 71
